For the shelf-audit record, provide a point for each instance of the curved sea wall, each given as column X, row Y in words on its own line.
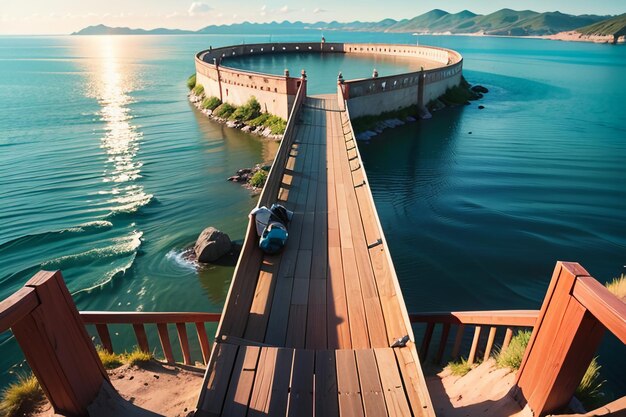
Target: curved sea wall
column 368, row 96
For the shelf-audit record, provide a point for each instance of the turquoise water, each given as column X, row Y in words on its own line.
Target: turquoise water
column 108, row 173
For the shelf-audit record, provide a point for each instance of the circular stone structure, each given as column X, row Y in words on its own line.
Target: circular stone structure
column 366, row 96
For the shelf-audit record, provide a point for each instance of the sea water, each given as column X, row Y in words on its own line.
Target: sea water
column 109, row 174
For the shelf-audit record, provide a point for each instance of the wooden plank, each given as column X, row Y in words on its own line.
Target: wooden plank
column 142, row 338
column 164, row 337
column 105, row 337
column 326, row 395
column 371, row 388
column 204, row 342
column 442, row 343
column 414, row 382
column 492, row 336
column 181, row 329
column 339, row 336
column 525, row 318
column 508, row 335
column 218, row 374
column 262, row 300
column 301, row 385
column 17, row 306
column 350, row 399
column 241, row 382
column 316, row 316
column 430, row 327
column 474, row 348
column 457, row 341
column 605, row 306
column 146, row 317
column 395, row 397
column 271, row 385
column 55, row 343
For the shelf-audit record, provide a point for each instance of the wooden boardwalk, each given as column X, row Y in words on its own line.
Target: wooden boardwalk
column 308, row 332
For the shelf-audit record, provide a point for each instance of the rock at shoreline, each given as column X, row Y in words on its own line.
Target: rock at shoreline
column 211, row 245
column 367, row 135
column 480, row 89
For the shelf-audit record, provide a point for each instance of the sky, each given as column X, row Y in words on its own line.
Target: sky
column 66, row 16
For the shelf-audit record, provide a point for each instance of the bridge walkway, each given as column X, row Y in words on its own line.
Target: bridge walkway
column 308, row 332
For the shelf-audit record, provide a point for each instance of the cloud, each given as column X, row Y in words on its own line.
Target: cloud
column 318, row 10
column 263, row 10
column 199, row 8
column 285, row 9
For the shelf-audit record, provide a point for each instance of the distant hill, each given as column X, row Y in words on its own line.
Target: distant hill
column 106, row 30
column 502, row 22
column 615, row 27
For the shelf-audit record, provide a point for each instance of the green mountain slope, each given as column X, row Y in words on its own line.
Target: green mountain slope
column 615, row 26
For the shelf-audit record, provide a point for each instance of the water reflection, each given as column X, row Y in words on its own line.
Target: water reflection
column 111, row 84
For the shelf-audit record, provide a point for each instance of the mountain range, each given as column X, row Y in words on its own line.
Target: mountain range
column 504, row 22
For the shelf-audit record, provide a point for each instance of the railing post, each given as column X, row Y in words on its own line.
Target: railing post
column 564, row 340
column 58, row 348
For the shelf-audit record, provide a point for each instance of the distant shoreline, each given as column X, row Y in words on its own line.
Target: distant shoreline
column 569, row 36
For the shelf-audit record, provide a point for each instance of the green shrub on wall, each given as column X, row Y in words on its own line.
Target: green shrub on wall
column 224, row 111
column 249, row 111
column 191, row 82
column 211, row 103
column 259, row 121
column 198, row 90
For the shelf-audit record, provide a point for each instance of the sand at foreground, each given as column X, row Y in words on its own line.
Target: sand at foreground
column 152, row 390
column 482, row 392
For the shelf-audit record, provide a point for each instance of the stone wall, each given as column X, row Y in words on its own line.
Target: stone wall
column 371, row 96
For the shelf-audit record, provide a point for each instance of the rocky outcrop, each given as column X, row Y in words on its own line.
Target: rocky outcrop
column 211, row 245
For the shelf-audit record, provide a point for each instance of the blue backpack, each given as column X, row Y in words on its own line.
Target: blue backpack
column 274, row 238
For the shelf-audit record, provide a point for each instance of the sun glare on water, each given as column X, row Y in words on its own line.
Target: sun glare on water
column 112, row 81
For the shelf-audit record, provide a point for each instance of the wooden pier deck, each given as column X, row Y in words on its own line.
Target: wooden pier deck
column 308, row 332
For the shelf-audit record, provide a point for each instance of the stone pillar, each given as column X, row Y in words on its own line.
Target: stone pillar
column 219, row 79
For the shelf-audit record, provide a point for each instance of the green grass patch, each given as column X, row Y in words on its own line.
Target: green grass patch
column 589, row 391
column 460, row 367
column 250, row 110
column 137, row 357
column 109, row 360
column 276, row 124
column 512, row 356
column 191, row 82
column 363, row 123
column 20, row 397
column 211, row 103
column 260, row 120
column 258, row 179
column 198, row 90
column 618, row 287
column 458, row 95
column 224, row 110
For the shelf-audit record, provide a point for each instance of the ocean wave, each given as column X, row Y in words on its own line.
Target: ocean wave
column 130, row 204
column 182, row 258
column 123, row 247
column 55, row 235
column 108, row 277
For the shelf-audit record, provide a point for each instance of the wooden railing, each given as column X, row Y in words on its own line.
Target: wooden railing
column 139, row 320
column 506, row 320
column 575, row 314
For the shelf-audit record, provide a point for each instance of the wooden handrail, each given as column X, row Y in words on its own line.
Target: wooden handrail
column 14, row 308
column 606, row 307
column 522, row 318
column 138, row 320
column 139, row 317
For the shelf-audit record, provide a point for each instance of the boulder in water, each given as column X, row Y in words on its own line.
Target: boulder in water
column 211, row 245
column 480, row 89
